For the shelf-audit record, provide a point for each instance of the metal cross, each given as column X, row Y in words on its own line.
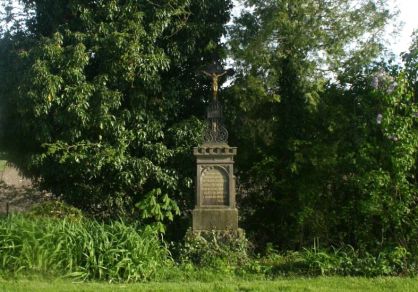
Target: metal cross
column 214, row 71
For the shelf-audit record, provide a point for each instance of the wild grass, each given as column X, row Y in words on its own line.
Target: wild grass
column 69, row 245
column 81, row 249
column 2, row 165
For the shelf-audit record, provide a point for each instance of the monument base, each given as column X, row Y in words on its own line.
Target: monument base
column 215, row 219
column 209, row 248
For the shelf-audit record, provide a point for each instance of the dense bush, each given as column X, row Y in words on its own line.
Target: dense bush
column 219, row 250
column 98, row 100
column 82, row 249
column 55, row 209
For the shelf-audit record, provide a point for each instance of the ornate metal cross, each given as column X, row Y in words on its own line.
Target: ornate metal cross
column 215, row 131
column 214, row 71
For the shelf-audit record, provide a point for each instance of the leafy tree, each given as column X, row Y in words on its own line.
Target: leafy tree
column 411, row 63
column 97, row 95
column 371, row 190
column 288, row 53
column 411, row 67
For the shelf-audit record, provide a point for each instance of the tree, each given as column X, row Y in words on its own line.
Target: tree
column 371, row 190
column 411, row 63
column 96, row 96
column 288, row 54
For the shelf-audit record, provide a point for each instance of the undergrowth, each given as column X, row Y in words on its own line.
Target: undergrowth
column 82, row 249
column 2, row 164
column 343, row 261
column 55, row 241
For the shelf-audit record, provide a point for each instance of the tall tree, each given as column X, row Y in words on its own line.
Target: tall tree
column 287, row 52
column 411, row 63
column 97, row 97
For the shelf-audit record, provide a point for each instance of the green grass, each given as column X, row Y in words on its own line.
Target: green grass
column 3, row 160
column 2, row 164
column 42, row 253
column 80, row 248
column 285, row 284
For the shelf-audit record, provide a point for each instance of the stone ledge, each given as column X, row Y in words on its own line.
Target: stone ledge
column 214, row 149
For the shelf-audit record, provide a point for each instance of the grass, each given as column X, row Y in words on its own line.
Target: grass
column 3, row 161
column 73, row 253
column 2, row 165
column 283, row 284
column 80, row 248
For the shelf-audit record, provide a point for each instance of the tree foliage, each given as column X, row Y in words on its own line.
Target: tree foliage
column 411, row 63
column 96, row 96
column 313, row 162
column 99, row 101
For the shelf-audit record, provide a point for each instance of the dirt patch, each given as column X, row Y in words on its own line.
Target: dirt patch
column 18, row 193
column 13, row 178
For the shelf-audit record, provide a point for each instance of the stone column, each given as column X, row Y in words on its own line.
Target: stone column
column 215, row 207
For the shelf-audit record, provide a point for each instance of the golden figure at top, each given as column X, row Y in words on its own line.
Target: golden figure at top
column 215, row 76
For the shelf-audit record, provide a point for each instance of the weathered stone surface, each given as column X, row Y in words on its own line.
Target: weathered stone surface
column 215, row 219
column 215, row 207
column 214, row 150
column 214, row 186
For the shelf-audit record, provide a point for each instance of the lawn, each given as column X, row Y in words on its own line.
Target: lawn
column 284, row 284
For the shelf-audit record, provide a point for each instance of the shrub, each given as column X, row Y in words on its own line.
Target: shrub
column 219, row 250
column 348, row 261
column 344, row 261
column 55, row 209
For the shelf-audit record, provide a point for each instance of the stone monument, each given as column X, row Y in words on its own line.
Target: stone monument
column 215, row 207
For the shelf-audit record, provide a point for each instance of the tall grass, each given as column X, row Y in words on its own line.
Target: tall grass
column 83, row 249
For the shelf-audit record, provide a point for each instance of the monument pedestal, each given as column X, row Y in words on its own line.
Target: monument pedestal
column 215, row 219
column 215, row 207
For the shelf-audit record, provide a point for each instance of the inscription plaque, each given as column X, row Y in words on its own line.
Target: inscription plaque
column 214, row 186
